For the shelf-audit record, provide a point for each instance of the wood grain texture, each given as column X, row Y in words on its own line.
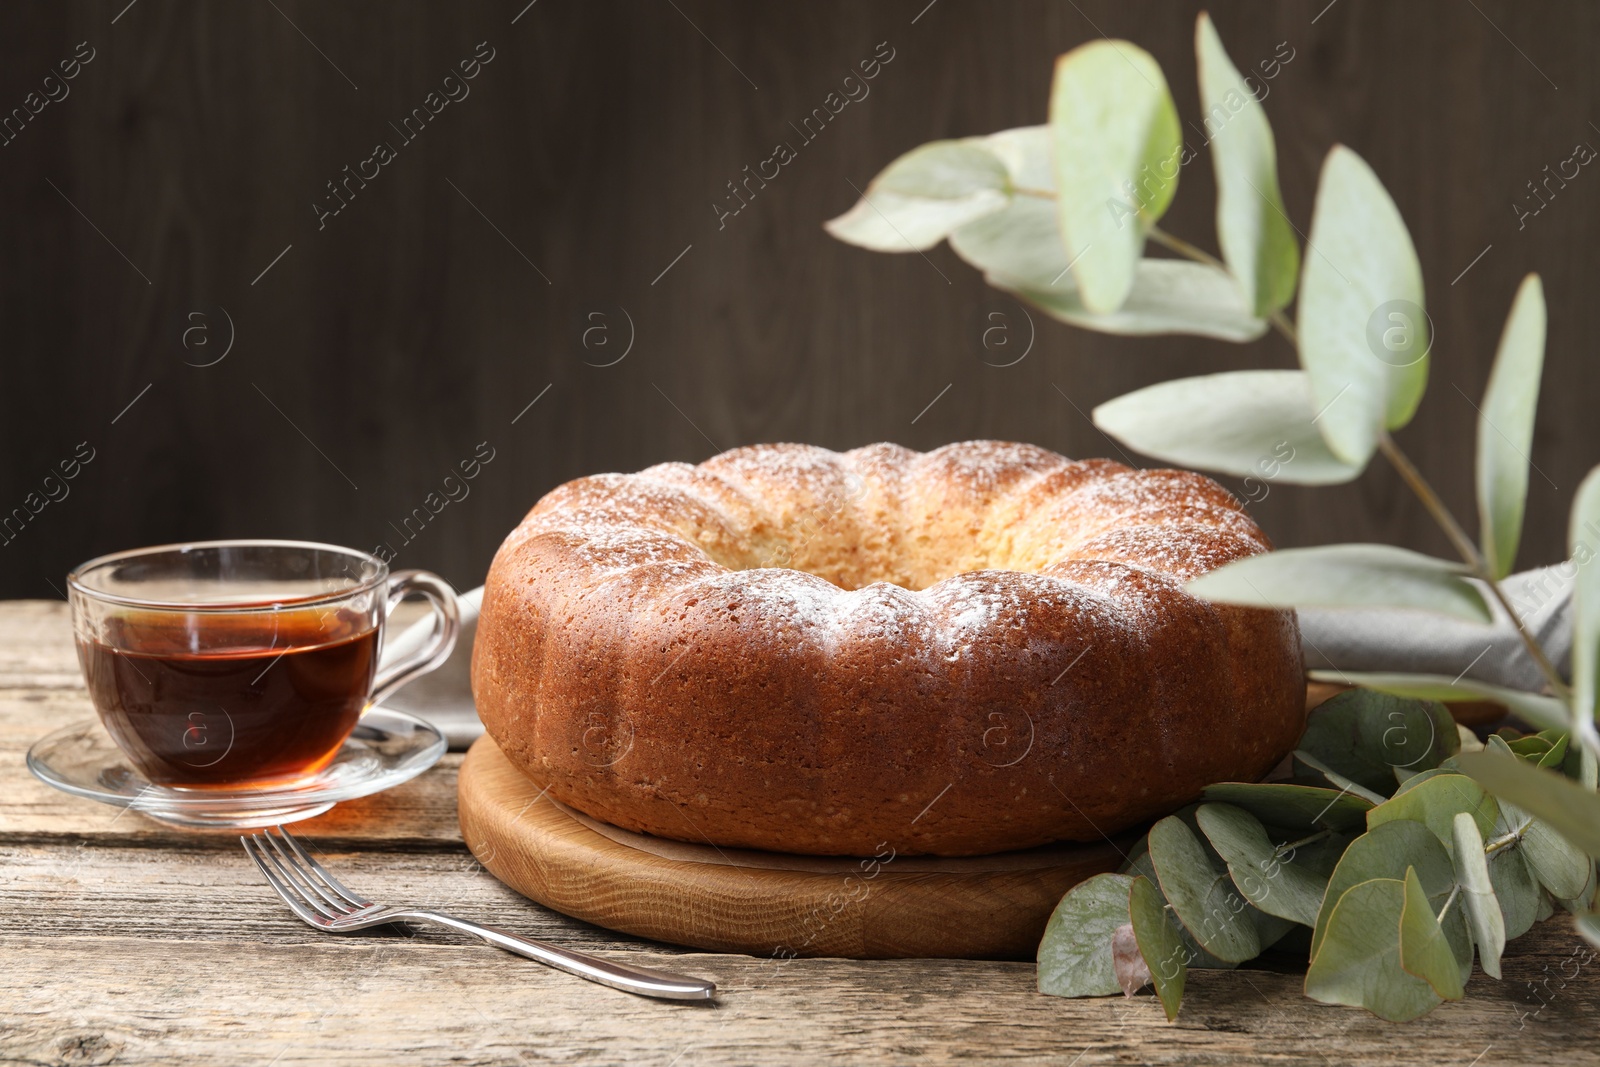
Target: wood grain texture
column 103, row 950
column 425, row 1000
column 384, row 346
column 876, row 910
column 123, row 941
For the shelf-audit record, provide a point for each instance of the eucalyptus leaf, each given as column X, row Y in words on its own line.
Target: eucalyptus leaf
column 940, row 189
column 1294, row 807
column 1252, row 227
column 1385, row 852
column 1522, row 900
column 1572, row 765
column 1560, row 867
column 1584, row 901
column 1202, row 897
column 1477, row 893
column 1346, row 576
column 1118, row 150
column 1367, row 736
column 1536, row 708
column 1435, row 803
column 1457, row 934
column 1320, row 855
column 925, row 194
column 1562, row 805
column 1137, row 859
column 1556, row 758
column 1165, row 296
column 1363, row 333
column 1358, row 962
column 1338, row 780
column 1531, row 748
column 1075, row 952
column 1414, row 780
column 1251, row 424
column 1027, row 153
column 1516, row 889
column 1271, row 882
column 1159, row 944
column 1235, row 834
column 1020, row 250
column 1584, row 528
column 1270, row 929
column 1195, row 957
column 1017, row 247
column 1505, row 427
column 1424, row 951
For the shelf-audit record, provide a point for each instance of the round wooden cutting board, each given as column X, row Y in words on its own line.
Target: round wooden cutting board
column 986, row 907
column 982, row 907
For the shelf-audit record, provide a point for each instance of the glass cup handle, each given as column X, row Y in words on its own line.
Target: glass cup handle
column 447, row 624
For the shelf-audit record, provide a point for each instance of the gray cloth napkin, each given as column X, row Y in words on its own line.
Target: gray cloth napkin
column 1421, row 643
column 443, row 697
column 1346, row 639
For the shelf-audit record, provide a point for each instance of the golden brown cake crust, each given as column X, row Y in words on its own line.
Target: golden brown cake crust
column 980, row 648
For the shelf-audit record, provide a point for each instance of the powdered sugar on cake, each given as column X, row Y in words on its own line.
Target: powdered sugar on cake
column 1154, row 525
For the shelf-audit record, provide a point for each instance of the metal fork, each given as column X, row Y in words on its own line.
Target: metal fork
column 324, row 903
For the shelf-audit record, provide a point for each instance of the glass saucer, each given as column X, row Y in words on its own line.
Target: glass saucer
column 386, row 748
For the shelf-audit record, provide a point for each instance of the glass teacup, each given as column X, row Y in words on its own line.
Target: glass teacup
column 243, row 664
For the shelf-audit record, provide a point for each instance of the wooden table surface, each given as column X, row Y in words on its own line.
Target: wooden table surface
column 125, row 941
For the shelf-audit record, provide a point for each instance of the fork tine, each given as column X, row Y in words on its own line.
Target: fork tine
column 296, row 903
column 355, row 899
column 290, row 882
column 307, row 886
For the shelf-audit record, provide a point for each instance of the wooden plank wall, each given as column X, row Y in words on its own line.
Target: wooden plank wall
column 168, row 199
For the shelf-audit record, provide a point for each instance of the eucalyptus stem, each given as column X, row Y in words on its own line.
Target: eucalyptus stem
column 1471, row 556
column 1290, row 846
column 1455, row 891
column 1503, row 841
column 1184, row 248
column 1430, row 500
column 1281, row 322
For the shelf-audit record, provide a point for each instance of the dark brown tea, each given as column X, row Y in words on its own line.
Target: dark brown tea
column 231, row 700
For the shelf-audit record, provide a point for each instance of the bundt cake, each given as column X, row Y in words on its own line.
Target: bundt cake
column 980, row 648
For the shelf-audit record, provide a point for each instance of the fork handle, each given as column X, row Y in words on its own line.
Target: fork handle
column 642, row 980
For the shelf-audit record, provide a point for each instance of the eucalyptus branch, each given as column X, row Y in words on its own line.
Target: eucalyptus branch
column 1110, row 103
column 1417, row 483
